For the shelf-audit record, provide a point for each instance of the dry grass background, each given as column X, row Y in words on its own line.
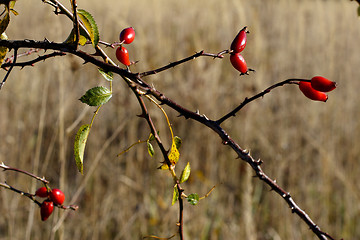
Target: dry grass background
column 311, row 148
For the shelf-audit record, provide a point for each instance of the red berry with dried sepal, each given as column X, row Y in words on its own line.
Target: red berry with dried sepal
column 311, row 93
column 238, row 62
column 127, row 35
column 322, row 84
column 57, row 196
column 42, row 192
column 122, row 55
column 46, row 209
column 239, row 42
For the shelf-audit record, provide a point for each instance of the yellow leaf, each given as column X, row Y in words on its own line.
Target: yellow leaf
column 174, row 153
column 71, row 38
column 4, row 22
column 164, row 166
column 3, row 50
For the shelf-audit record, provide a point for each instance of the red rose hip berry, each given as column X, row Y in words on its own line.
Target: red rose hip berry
column 311, row 93
column 238, row 62
column 122, row 55
column 42, row 192
column 239, row 42
column 322, row 84
column 57, row 196
column 46, row 209
column 127, row 35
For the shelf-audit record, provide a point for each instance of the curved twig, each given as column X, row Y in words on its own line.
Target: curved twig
column 7, row 168
column 32, row 62
column 174, row 64
column 259, row 95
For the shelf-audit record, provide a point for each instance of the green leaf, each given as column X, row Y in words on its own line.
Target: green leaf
column 177, row 141
column 175, row 195
column 185, row 174
column 193, row 198
column 4, row 22
column 3, row 50
column 150, row 149
column 90, row 25
column 109, row 76
column 79, row 146
column 96, row 96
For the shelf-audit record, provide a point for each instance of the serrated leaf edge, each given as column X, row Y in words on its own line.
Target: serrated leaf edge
column 90, row 25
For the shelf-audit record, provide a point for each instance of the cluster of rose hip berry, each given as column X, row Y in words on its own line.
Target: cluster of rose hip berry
column 314, row 89
column 237, row 46
column 53, row 197
column 127, row 35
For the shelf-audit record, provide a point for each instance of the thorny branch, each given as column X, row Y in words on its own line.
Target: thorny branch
column 31, row 62
column 145, row 114
column 136, row 83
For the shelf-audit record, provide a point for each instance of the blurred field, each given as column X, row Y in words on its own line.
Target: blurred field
column 312, row 149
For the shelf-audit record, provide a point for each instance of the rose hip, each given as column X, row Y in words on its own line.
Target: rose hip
column 42, row 192
column 239, row 42
column 122, row 55
column 238, row 62
column 311, row 93
column 57, row 196
column 127, row 35
column 46, row 209
column 322, row 84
